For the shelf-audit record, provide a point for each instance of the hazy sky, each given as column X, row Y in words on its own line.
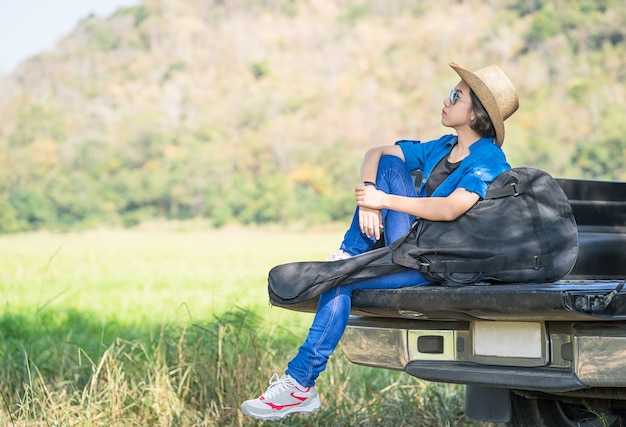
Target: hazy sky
column 28, row 27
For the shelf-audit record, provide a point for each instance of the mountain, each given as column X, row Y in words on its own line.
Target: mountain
column 260, row 111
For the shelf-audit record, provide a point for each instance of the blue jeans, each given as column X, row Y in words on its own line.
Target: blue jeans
column 333, row 310
column 393, row 177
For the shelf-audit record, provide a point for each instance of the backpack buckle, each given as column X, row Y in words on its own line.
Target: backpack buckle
column 423, row 265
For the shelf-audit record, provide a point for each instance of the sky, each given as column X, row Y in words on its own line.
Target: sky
column 29, row 27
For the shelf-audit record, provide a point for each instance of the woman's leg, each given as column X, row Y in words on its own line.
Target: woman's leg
column 393, row 177
column 331, row 319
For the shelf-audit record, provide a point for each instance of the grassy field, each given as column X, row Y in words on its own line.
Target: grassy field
column 170, row 325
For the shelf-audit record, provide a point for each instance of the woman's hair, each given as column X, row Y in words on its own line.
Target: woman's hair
column 482, row 123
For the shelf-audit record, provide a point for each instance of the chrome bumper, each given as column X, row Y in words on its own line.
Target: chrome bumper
column 552, row 356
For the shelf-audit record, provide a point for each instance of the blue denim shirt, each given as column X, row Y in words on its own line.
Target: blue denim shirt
column 483, row 164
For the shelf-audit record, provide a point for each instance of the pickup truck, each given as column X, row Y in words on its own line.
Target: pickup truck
column 538, row 354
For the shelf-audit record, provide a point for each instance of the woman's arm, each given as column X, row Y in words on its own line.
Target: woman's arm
column 369, row 167
column 370, row 220
column 432, row 208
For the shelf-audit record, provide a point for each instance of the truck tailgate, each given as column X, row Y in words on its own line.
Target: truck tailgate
column 567, row 300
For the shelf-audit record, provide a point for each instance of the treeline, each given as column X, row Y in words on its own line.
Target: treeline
column 259, row 112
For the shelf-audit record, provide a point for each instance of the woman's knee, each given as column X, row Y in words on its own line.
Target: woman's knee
column 389, row 161
column 394, row 177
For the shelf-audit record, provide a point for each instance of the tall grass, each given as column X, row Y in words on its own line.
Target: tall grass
column 171, row 327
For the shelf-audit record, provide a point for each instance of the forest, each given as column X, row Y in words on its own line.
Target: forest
column 259, row 111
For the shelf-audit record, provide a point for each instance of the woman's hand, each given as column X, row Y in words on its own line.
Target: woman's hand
column 368, row 196
column 369, row 200
column 370, row 222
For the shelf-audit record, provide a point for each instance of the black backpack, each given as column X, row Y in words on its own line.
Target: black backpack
column 522, row 231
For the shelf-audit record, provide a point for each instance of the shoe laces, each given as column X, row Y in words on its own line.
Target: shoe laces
column 278, row 385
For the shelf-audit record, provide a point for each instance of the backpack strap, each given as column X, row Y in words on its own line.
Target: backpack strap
column 533, row 207
column 480, row 265
column 514, row 189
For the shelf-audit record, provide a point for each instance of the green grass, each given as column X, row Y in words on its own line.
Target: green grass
column 171, row 326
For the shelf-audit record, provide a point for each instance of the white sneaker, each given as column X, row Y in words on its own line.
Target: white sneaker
column 283, row 397
column 339, row 255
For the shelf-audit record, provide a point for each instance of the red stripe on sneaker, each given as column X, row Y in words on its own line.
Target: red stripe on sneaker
column 301, row 399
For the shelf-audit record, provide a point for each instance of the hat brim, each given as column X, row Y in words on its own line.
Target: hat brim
column 485, row 96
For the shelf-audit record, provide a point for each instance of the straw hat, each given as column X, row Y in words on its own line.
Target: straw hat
column 495, row 91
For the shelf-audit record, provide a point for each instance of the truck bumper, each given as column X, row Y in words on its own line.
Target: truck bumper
column 552, row 357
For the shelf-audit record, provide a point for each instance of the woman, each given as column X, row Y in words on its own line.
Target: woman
column 457, row 169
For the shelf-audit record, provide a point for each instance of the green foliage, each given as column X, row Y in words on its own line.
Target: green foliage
column 598, row 156
column 141, row 14
column 259, row 200
column 526, row 7
column 38, row 121
column 102, row 36
column 173, row 68
column 585, row 23
column 34, row 208
column 545, row 25
column 354, row 13
column 259, row 69
column 578, row 90
column 9, row 222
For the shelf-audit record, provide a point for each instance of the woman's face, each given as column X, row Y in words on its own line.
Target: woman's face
column 459, row 113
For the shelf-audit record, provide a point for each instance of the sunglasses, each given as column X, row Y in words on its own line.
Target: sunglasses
column 454, row 97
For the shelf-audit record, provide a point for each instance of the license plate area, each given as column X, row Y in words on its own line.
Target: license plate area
column 509, row 343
